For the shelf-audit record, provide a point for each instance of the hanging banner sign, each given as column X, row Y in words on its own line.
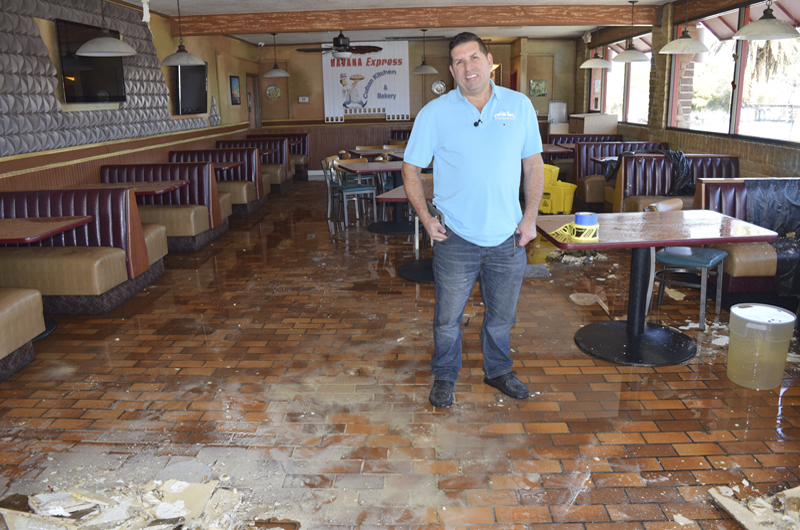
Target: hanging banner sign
column 369, row 84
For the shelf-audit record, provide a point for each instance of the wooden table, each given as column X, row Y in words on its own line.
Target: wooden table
column 32, row 229
column 369, row 153
column 222, row 167
column 397, row 226
column 158, row 187
column 636, row 342
column 419, row 270
column 548, row 150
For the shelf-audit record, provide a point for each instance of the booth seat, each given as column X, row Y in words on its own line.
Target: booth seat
column 758, row 267
column 193, row 215
column 276, row 172
column 589, row 195
column 298, row 151
column 565, row 161
column 90, row 269
column 646, row 178
column 243, row 183
column 21, row 321
column 400, row 134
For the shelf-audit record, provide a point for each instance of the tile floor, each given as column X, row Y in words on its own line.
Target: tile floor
column 295, row 361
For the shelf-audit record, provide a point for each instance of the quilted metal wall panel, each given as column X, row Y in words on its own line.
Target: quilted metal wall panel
column 31, row 117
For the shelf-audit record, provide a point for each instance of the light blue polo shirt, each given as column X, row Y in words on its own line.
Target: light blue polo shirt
column 476, row 169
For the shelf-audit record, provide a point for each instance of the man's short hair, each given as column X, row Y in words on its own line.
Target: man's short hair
column 463, row 38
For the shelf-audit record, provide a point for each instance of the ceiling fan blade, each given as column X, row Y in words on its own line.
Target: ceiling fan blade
column 312, row 50
column 360, row 50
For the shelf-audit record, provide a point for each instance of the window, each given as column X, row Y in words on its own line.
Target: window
column 639, row 91
column 627, row 87
column 770, row 90
column 764, row 102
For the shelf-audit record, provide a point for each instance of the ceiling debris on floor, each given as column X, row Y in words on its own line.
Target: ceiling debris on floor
column 778, row 511
column 158, row 505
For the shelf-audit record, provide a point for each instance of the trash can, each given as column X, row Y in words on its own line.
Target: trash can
column 758, row 346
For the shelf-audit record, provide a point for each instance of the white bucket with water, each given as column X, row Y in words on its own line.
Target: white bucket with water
column 759, row 343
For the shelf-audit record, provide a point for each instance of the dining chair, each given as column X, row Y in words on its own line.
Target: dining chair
column 685, row 260
column 398, row 143
column 363, row 178
column 341, row 192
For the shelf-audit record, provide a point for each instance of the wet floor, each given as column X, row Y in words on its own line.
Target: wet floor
column 290, row 357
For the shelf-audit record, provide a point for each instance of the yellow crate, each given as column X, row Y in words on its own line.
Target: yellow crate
column 558, row 198
column 550, row 175
column 538, row 249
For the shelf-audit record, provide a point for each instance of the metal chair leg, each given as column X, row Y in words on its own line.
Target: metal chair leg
column 703, row 296
column 719, row 287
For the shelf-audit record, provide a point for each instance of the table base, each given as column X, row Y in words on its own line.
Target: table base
column 420, row 270
column 657, row 346
column 392, row 227
column 50, row 326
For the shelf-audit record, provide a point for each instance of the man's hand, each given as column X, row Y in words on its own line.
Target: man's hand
column 434, row 228
column 526, row 230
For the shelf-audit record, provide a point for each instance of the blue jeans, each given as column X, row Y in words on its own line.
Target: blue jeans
column 457, row 264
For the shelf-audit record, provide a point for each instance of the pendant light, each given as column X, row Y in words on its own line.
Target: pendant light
column 685, row 43
column 596, row 61
column 424, row 68
column 767, row 28
column 276, row 71
column 106, row 45
column 182, row 57
column 631, row 54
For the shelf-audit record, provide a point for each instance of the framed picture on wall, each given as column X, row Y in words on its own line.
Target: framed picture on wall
column 236, row 96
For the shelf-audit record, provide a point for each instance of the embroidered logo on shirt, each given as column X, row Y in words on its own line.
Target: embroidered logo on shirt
column 503, row 115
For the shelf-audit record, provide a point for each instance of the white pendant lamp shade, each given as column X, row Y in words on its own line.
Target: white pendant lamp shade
column 596, row 62
column 630, row 55
column 181, row 57
column 685, row 43
column 276, row 70
column 767, row 28
column 424, row 68
column 105, row 45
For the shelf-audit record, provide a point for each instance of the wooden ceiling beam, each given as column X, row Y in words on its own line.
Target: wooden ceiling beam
column 408, row 18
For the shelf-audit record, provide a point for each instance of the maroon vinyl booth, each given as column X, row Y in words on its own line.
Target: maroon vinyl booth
column 115, row 225
column 242, row 182
column 276, row 173
column 181, row 210
column 298, row 151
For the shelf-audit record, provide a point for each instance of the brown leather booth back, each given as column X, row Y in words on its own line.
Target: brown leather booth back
column 197, row 173
column 115, row 220
column 584, row 151
column 729, row 198
column 250, row 171
column 575, row 138
column 400, row 134
column 294, row 149
column 653, row 174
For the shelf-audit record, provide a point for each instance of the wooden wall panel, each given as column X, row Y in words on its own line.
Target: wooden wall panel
column 81, row 165
column 328, row 139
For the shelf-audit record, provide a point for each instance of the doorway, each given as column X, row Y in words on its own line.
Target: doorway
column 253, row 102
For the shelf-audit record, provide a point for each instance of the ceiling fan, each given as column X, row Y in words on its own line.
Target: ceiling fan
column 342, row 49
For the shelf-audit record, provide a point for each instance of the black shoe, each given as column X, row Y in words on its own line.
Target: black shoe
column 442, row 393
column 509, row 385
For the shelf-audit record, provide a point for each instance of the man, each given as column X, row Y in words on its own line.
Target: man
column 481, row 137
